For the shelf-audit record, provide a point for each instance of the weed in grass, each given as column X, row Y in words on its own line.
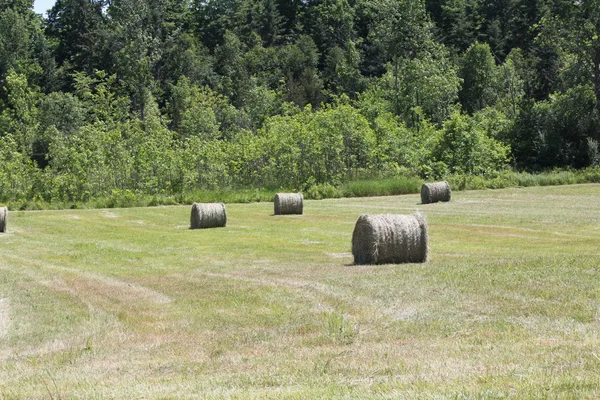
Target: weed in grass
column 340, row 329
column 322, row 367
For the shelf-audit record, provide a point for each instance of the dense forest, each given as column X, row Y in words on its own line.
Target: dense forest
column 167, row 96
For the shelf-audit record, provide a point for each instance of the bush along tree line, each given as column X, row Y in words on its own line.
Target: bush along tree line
column 171, row 96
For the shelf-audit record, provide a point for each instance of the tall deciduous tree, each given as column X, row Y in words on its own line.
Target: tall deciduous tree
column 79, row 29
column 420, row 76
column 574, row 26
column 481, row 78
column 23, row 47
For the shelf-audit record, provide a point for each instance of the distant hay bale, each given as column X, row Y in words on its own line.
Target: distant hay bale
column 390, row 239
column 3, row 218
column 434, row 192
column 288, row 203
column 208, row 215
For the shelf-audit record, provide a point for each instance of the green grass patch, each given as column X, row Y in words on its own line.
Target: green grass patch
column 507, row 179
column 382, row 187
column 130, row 303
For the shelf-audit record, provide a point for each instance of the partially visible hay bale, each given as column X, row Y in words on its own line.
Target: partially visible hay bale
column 434, row 192
column 208, row 215
column 289, row 203
column 390, row 239
column 3, row 218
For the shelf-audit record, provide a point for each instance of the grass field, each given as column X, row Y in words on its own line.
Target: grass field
column 129, row 303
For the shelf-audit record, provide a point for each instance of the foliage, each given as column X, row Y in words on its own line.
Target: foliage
column 481, row 78
column 562, row 131
column 163, row 98
column 464, row 147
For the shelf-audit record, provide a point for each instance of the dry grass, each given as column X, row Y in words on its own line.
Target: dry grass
column 138, row 306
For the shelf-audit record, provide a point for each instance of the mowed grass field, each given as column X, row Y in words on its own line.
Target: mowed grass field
column 130, row 303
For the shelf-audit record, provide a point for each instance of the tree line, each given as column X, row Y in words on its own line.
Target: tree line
column 166, row 96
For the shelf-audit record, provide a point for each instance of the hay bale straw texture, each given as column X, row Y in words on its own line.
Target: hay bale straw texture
column 208, row 215
column 3, row 218
column 289, row 203
column 390, row 239
column 434, row 192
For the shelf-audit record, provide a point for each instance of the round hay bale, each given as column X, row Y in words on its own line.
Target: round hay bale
column 390, row 239
column 434, row 192
column 288, row 203
column 3, row 218
column 208, row 215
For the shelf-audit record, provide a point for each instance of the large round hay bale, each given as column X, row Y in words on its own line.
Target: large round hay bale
column 3, row 218
column 434, row 192
column 289, row 203
column 390, row 239
column 208, row 215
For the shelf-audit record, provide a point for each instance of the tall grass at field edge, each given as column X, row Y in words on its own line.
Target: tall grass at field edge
column 389, row 186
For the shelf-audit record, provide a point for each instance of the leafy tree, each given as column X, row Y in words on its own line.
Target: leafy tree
column 212, row 18
column 562, row 131
column 464, row 147
column 342, row 71
column 149, row 146
column 259, row 17
column 20, row 112
column 511, row 24
column 332, row 24
column 291, row 12
column 317, row 147
column 459, row 22
column 201, row 112
column 58, row 112
column 299, row 66
column 575, row 27
column 79, row 29
column 481, row 78
column 374, row 57
column 18, row 175
column 23, row 46
column 14, row 41
column 233, row 77
column 100, row 98
column 136, row 49
column 420, row 75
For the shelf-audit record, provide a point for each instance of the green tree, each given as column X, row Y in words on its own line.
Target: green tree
column 233, row 77
column 58, row 112
column 23, row 47
column 201, row 112
column 212, row 18
column 19, row 116
column 574, row 26
column 420, row 76
column 464, row 147
column 136, row 49
column 561, row 131
column 459, row 22
column 302, row 82
column 79, row 29
column 481, row 78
